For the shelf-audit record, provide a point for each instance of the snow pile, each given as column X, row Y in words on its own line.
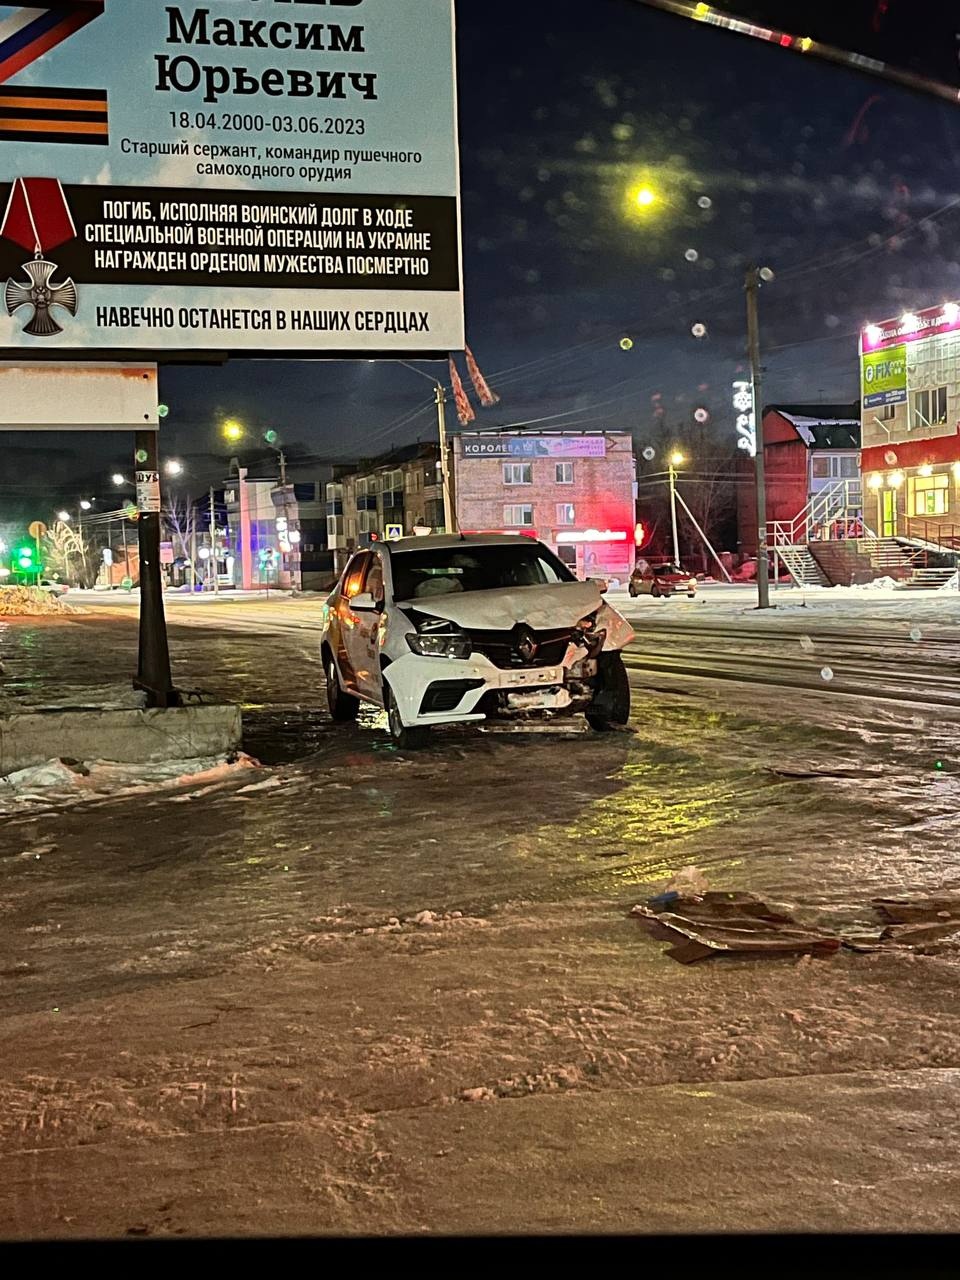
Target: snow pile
column 59, row 782
column 30, row 602
column 885, row 583
column 951, row 584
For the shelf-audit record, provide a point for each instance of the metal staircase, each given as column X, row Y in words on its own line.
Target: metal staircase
column 927, row 579
column 802, row 567
column 836, row 505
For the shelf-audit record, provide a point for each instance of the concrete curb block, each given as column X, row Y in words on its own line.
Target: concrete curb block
column 121, row 737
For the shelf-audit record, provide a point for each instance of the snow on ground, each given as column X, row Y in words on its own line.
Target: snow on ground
column 847, row 605
column 402, row 992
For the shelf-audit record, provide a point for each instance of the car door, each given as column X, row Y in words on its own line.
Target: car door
column 351, row 654
column 367, row 633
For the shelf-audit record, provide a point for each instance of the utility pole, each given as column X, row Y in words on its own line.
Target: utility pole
column 213, row 543
column 752, row 287
column 449, row 518
column 153, row 673
column 283, row 470
column 673, row 511
column 126, row 553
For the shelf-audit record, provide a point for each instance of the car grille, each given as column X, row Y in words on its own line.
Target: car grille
column 503, row 648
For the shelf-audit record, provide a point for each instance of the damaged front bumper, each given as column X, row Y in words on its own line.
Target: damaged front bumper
column 436, row 691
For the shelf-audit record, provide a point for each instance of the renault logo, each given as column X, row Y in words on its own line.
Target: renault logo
column 527, row 645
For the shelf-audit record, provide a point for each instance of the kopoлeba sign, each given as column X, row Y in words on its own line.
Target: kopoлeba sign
column 250, row 177
column 884, row 376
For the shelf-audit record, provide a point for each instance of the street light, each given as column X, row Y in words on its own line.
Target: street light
column 173, row 467
column 85, row 504
column 118, row 479
column 64, row 517
column 233, row 430
column 676, row 460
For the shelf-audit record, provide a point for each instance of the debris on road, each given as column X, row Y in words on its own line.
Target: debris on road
column 689, row 882
column 918, row 922
column 699, row 927
column 59, row 782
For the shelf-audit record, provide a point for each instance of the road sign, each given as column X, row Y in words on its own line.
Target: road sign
column 37, row 530
column 248, row 178
column 393, row 532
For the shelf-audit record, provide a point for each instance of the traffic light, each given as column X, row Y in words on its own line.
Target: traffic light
column 25, row 562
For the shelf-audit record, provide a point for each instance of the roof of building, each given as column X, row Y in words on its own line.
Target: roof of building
column 822, row 426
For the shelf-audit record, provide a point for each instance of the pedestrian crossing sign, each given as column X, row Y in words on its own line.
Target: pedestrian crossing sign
column 393, row 532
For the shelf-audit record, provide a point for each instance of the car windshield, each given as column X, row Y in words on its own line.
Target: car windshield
column 442, row 570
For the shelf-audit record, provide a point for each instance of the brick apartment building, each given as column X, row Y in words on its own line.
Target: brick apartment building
column 400, row 490
column 575, row 491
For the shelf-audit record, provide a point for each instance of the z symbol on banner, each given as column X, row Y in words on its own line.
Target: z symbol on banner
column 32, row 114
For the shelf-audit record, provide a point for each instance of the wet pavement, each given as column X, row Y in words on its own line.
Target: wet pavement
column 228, row 964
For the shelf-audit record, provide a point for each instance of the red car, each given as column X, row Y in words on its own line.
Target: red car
column 660, row 580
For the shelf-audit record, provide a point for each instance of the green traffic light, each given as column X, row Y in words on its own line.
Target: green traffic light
column 271, row 437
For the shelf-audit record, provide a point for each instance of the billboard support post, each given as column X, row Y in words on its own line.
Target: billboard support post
column 153, row 668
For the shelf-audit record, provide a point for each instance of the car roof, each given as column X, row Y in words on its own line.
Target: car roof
column 437, row 541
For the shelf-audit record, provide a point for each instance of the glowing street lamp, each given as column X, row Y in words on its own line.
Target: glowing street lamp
column 85, row 504
column 676, row 459
column 118, row 479
column 173, row 467
column 645, row 197
column 233, row 430
column 64, row 517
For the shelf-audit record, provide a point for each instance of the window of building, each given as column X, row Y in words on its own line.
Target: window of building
column 928, row 495
column 518, row 473
column 849, row 468
column 564, row 473
column 929, row 408
column 886, row 412
column 821, row 468
column 565, row 513
column 519, row 516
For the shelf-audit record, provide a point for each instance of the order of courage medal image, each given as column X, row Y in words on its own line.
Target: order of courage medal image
column 39, row 219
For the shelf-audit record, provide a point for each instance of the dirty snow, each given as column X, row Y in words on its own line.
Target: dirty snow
column 403, row 992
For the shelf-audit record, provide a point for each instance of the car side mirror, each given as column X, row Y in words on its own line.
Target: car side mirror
column 601, row 583
column 365, row 603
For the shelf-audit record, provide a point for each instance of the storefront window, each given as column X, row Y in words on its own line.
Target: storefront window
column 928, row 496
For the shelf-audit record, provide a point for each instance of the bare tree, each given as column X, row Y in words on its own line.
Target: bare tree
column 66, row 552
column 706, row 480
column 180, row 518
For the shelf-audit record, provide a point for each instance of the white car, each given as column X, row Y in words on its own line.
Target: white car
column 455, row 628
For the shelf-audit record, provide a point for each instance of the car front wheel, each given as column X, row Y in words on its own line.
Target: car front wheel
column 406, row 739
column 611, row 702
column 343, row 706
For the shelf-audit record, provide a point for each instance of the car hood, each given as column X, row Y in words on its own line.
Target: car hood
column 559, row 604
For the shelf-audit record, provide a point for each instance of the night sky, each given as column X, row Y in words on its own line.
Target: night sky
column 843, row 185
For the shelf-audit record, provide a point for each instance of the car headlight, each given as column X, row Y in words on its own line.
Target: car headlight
column 439, row 638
